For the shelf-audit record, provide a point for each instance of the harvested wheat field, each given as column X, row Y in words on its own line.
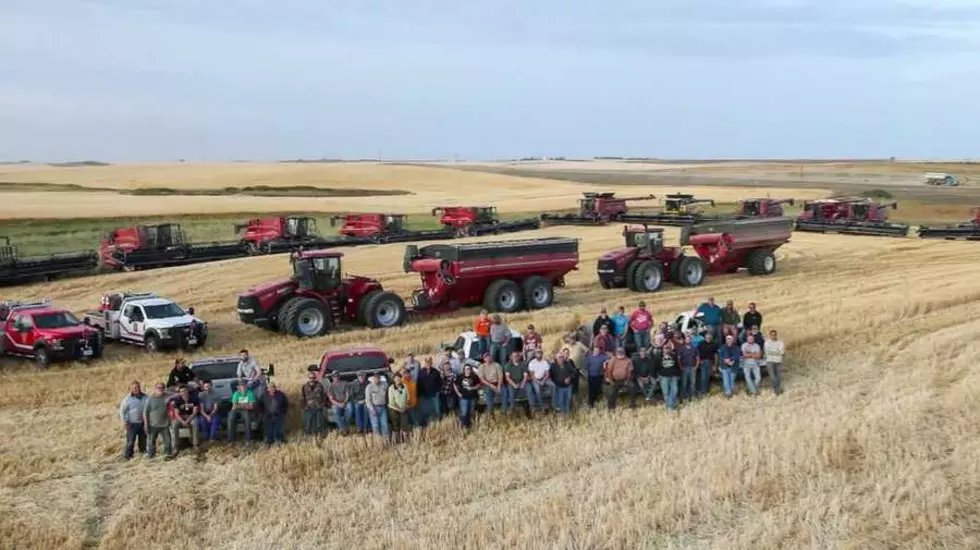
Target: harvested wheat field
column 875, row 444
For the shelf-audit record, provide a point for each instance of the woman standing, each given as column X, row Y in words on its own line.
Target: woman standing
column 467, row 389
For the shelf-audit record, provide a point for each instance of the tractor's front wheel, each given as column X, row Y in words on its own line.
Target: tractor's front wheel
column 648, row 277
column 306, row 318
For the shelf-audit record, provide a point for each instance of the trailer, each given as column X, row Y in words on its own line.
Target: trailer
column 278, row 234
column 849, row 216
column 380, row 228
column 317, row 298
column 966, row 231
column 15, row 269
column 595, row 209
column 470, row 221
column 723, row 246
column 164, row 245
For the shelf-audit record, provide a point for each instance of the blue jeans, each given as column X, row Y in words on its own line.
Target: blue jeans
column 484, row 346
column 379, row 420
column 466, row 406
column 688, row 379
column 428, row 409
column 274, row 429
column 233, row 417
column 717, row 333
column 704, row 377
column 753, row 376
column 508, row 397
column 668, row 385
column 342, row 415
column 647, row 387
column 727, row 380
column 641, row 338
column 563, row 399
column 209, row 429
column 498, row 352
column 776, row 376
column 360, row 417
column 134, row 433
column 488, row 396
column 314, row 421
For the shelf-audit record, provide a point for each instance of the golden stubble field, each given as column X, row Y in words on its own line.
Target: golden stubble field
column 874, row 444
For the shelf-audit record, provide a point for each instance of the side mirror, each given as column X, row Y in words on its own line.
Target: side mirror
column 272, row 370
column 87, row 322
column 190, row 310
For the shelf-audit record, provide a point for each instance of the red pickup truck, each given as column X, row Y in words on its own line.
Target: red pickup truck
column 46, row 333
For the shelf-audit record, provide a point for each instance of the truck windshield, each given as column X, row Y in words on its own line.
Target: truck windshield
column 56, row 320
column 353, row 363
column 163, row 311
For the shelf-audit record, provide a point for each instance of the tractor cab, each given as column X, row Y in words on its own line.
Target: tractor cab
column 299, row 227
column 317, row 270
column 648, row 239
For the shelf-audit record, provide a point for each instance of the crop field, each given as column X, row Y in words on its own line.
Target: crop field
column 874, row 444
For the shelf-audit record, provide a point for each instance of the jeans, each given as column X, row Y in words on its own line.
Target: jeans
column 498, row 352
column 508, row 397
column 233, row 417
column 314, row 421
column 563, row 399
column 134, row 433
column 466, row 406
column 163, row 432
column 718, row 333
column 753, row 376
column 668, row 385
column 482, row 347
column 274, row 429
column 447, row 403
column 613, row 392
column 646, row 386
column 342, row 415
column 209, row 428
column 361, row 422
column 428, row 409
column 776, row 375
column 727, row 380
column 175, row 428
column 688, row 379
column 488, row 396
column 641, row 338
column 595, row 389
column 378, row 415
column 704, row 377
column 535, row 393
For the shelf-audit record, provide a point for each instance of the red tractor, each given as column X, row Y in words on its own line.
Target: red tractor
column 721, row 246
column 595, row 209
column 968, row 231
column 163, row 245
column 383, row 228
column 276, row 234
column 463, row 221
column 850, row 216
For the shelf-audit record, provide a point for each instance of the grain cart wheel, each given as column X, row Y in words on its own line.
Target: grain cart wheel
column 385, row 310
column 690, row 271
column 762, row 262
column 648, row 276
column 538, row 292
column 631, row 274
column 362, row 316
column 503, row 296
column 306, row 318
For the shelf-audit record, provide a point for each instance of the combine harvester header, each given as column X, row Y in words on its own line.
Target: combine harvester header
column 967, row 231
column 595, row 209
column 15, row 269
column 381, row 228
column 850, row 216
column 464, row 221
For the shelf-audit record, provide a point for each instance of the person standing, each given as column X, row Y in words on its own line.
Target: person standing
column 730, row 359
column 209, row 419
column 274, row 408
column 340, row 403
column 467, row 387
column 643, row 374
column 577, row 352
column 450, row 359
column 398, row 408
column 157, row 421
column 482, row 329
column 185, row 409
column 429, row 386
column 641, row 321
column 602, row 320
column 376, row 401
column 356, row 389
column 711, row 315
column 751, row 356
column 515, row 377
column 412, row 416
column 687, row 357
column 752, row 318
column 594, row 363
column 730, row 319
column 775, row 350
column 242, row 405
column 491, row 375
column 707, row 362
column 562, row 374
column 620, row 326
column 447, row 395
column 410, row 368
column 499, row 340
column 532, row 341
column 539, row 377
column 669, row 373
column 313, row 399
column 618, row 371
column 605, row 341
column 131, row 413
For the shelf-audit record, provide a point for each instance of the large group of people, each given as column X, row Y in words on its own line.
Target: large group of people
column 626, row 354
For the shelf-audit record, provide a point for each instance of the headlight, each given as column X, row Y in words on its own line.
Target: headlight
column 56, row 343
column 164, row 332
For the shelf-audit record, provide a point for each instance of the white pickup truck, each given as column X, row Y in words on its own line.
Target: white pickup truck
column 147, row 320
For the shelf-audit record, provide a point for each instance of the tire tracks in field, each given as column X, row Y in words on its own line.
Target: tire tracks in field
column 95, row 524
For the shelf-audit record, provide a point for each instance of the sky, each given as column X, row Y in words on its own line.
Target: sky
column 156, row 80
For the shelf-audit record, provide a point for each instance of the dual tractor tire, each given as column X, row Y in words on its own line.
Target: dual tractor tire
column 305, row 318
column 505, row 296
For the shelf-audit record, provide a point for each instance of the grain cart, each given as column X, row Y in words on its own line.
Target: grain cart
column 679, row 209
column 849, row 216
column 384, row 228
column 722, row 246
column 15, row 268
column 595, row 209
column 464, row 221
column 277, row 234
column 164, row 245
column 968, row 231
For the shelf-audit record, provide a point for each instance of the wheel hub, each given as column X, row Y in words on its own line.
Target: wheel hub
column 386, row 315
column 310, row 323
column 770, row 264
column 507, row 300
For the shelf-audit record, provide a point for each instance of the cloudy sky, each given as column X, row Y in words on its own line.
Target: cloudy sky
column 237, row 79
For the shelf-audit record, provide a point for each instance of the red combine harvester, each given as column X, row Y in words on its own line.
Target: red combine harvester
column 850, row 216
column 721, row 246
column 762, row 208
column 595, row 209
column 968, row 231
column 152, row 246
column 463, row 221
column 384, row 228
column 15, row 269
column 502, row 275
column 276, row 234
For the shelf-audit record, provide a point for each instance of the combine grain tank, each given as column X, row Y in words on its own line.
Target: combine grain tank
column 595, row 209
column 967, row 231
column 164, row 245
column 467, row 221
column 849, row 216
column 15, row 269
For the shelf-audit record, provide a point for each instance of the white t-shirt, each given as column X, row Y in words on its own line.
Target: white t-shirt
column 538, row 368
column 775, row 349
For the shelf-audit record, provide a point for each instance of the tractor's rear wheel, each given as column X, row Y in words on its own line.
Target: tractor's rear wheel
column 503, row 296
column 385, row 310
column 538, row 292
column 306, row 318
column 690, row 271
column 648, row 276
column 631, row 275
column 762, row 262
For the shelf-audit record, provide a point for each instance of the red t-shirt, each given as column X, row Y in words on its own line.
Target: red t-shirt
column 641, row 319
